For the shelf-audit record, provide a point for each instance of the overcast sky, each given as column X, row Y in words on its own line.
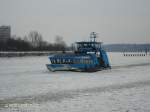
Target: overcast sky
column 115, row 21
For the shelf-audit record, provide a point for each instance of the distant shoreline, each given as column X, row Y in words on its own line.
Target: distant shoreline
column 46, row 53
column 28, row 53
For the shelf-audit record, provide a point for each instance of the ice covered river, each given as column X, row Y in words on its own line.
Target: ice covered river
column 27, row 86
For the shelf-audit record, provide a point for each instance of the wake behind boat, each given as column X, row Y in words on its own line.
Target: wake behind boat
column 88, row 56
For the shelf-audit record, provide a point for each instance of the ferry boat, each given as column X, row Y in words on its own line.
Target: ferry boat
column 88, row 56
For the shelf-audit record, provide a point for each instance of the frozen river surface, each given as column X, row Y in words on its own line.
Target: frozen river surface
column 27, row 86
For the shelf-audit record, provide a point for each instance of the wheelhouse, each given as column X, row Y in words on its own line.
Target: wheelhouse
column 88, row 46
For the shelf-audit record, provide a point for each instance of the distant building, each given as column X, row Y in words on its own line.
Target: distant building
column 5, row 33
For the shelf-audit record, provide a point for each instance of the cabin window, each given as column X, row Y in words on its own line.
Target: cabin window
column 58, row 61
column 55, row 61
column 80, row 61
column 71, row 61
column 51, row 61
column 61, row 61
column 76, row 61
column 83, row 61
column 87, row 61
column 66, row 61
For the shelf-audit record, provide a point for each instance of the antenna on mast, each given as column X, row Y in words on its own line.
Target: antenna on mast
column 93, row 36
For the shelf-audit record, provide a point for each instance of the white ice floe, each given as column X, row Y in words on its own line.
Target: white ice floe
column 26, row 85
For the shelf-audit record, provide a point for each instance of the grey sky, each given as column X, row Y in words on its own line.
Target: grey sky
column 116, row 21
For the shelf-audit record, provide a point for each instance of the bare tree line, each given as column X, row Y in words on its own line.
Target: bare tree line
column 32, row 42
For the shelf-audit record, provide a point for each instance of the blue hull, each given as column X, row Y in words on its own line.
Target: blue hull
column 73, row 67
